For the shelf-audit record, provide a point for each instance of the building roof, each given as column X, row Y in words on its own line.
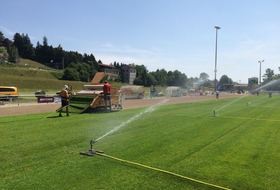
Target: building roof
column 107, row 66
column 130, row 66
column 241, row 85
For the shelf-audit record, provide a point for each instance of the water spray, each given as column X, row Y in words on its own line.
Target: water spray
column 230, row 103
column 91, row 152
column 273, row 82
column 214, row 113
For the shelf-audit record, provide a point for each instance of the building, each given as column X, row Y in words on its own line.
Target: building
column 240, row 88
column 128, row 73
column 110, row 71
column 253, row 82
column 173, row 91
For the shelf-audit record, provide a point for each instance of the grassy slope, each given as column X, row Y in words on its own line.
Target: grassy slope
column 38, row 77
column 34, row 64
column 33, row 77
column 238, row 149
column 30, row 79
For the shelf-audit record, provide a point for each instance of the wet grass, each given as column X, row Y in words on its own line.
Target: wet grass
column 237, row 149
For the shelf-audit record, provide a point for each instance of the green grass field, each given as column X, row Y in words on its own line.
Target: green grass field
column 238, row 148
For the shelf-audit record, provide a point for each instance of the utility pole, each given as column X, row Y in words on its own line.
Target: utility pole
column 215, row 82
column 260, row 82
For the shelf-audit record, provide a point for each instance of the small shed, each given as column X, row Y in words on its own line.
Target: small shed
column 173, row 91
column 132, row 91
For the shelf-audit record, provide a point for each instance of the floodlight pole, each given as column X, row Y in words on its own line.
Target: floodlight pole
column 215, row 71
column 260, row 71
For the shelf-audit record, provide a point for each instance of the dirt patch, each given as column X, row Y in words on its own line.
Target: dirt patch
column 24, row 109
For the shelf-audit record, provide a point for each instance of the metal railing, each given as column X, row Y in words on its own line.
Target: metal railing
column 28, row 100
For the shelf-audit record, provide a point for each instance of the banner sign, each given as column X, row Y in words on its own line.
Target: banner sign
column 43, row 99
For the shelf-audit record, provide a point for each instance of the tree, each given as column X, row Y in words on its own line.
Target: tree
column 45, row 41
column 94, row 67
column 18, row 42
column 79, row 71
column 203, row 80
column 24, row 45
column 160, row 77
column 151, row 80
column 45, row 51
column 203, row 76
column 207, row 83
column 84, row 72
column 27, row 47
column 84, row 75
column 118, row 79
column 192, row 81
column 176, row 78
column 170, row 78
column 3, row 54
column 138, row 81
column 268, row 74
column 1, row 37
column 71, row 74
column 6, row 43
column 13, row 56
column 141, row 75
column 225, row 80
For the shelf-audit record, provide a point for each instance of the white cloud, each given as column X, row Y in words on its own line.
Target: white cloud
column 10, row 34
column 7, row 32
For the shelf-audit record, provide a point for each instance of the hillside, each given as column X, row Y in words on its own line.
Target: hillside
column 30, row 63
column 31, row 76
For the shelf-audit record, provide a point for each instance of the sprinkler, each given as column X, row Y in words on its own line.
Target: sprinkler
column 214, row 113
column 91, row 152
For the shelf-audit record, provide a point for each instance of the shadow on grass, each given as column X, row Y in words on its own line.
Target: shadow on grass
column 52, row 117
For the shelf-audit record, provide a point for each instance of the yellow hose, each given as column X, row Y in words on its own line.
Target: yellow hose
column 164, row 171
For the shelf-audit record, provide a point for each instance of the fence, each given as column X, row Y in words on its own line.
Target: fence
column 28, row 100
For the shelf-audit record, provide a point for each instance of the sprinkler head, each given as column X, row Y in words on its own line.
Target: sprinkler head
column 214, row 113
column 91, row 151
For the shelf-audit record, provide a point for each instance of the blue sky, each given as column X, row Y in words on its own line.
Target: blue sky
column 160, row 34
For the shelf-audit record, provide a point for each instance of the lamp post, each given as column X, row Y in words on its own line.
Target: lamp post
column 215, row 83
column 260, row 71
